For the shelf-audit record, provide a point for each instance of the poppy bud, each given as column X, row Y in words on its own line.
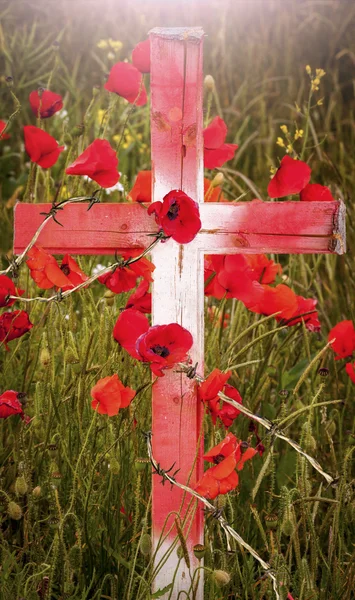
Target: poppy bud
column 44, row 357
column 217, row 180
column 180, row 552
column 21, row 486
column 36, row 492
column 331, row 428
column 220, row 501
column 78, row 130
column 288, row 527
column 71, row 354
column 271, row 521
column 109, row 297
column 74, row 557
column 14, row 511
column 9, row 81
column 199, row 551
column 209, row 83
column 221, row 577
column 146, row 544
column 140, row 464
column 115, row 466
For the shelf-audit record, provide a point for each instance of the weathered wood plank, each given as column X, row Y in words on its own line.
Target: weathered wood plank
column 281, row 227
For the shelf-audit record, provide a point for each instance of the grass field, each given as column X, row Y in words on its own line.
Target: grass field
column 70, row 538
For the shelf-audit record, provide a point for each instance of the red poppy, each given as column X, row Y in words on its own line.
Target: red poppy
column 350, row 369
column 141, row 56
column 264, row 269
column 275, row 299
column 343, row 335
column 99, row 162
column 233, row 278
column 208, row 393
column 290, row 178
column 45, row 271
column 44, row 103
column 13, row 325
column 142, row 189
column 130, row 325
column 305, row 305
column 10, row 404
column 141, row 299
column 212, row 195
column 314, row 192
column 222, row 478
column 216, row 152
column 123, row 279
column 163, row 346
column 8, row 288
column 41, row 147
column 3, row 136
column 73, row 272
column 109, row 395
column 126, row 81
column 178, row 215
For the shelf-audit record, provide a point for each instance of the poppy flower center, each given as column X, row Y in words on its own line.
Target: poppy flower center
column 65, row 269
column 173, row 211
column 218, row 459
column 160, row 350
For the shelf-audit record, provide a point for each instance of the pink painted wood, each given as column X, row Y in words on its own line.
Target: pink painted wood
column 178, row 295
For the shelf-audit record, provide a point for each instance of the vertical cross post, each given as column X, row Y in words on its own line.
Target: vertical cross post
column 177, row 163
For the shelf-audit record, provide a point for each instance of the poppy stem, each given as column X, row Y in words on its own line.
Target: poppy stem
column 229, row 531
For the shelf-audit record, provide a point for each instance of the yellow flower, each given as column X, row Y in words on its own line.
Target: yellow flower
column 102, row 44
column 116, row 45
column 100, row 115
column 273, row 170
column 289, row 149
column 315, row 87
column 298, row 134
column 284, row 129
column 320, row 73
column 308, row 69
column 316, row 81
column 320, row 102
column 116, row 138
column 280, row 142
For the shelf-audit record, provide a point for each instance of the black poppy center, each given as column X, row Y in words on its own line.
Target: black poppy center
column 218, row 459
column 173, row 211
column 65, row 269
column 160, row 350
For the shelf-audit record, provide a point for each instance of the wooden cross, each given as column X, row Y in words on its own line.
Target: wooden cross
column 178, row 289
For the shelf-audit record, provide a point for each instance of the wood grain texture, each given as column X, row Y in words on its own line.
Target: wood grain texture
column 250, row 227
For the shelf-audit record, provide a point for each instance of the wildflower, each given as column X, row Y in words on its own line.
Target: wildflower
column 10, row 404
column 350, row 370
column 299, row 134
column 8, row 288
column 141, row 299
column 280, row 142
column 126, row 81
column 275, row 299
column 13, row 325
column 141, row 56
column 344, row 342
column 99, row 162
column 142, row 189
column 264, row 269
column 123, row 279
column 305, row 305
column 320, row 102
column 109, row 395
column 314, row 192
column 227, row 456
column 161, row 345
column 3, row 136
column 178, row 216
column 308, row 69
column 289, row 148
column 284, row 129
column 115, row 45
column 290, row 178
column 320, row 73
column 46, row 273
column 41, row 147
column 216, row 152
column 208, row 393
column 44, row 103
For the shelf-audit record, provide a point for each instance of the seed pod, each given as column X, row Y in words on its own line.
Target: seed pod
column 323, row 372
column 221, row 577
column 21, row 486
column 271, row 521
column 14, row 511
column 52, row 449
column 140, row 464
column 209, row 83
column 146, row 544
column 199, row 551
column 56, row 478
column 53, row 523
column 284, row 393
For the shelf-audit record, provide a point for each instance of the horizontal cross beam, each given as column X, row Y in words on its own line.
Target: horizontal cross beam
column 248, row 227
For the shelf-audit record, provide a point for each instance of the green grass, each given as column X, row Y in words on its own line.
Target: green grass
column 73, row 532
